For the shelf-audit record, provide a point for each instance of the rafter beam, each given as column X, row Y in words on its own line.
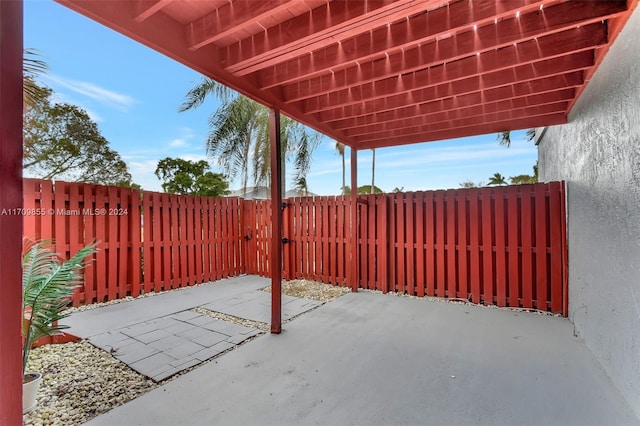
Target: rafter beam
column 463, row 131
column 314, row 30
column 470, row 115
column 231, row 18
column 543, row 77
column 146, row 8
column 451, row 110
column 526, row 28
column 400, row 35
column 414, row 126
column 557, row 46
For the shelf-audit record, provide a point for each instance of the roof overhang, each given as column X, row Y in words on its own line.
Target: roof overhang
column 374, row 73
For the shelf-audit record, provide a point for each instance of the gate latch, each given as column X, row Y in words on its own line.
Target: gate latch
column 286, row 241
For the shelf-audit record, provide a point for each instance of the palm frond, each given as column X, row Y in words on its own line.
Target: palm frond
column 504, row 138
column 196, row 96
column 32, row 67
column 47, row 286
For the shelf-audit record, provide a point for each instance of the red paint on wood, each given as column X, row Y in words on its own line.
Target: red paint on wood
column 410, row 237
column 276, row 237
column 526, row 248
column 500, row 220
column 135, row 238
column 451, row 241
column 440, row 213
column 513, row 252
column 474, row 245
column 541, row 230
column 429, row 243
column 11, row 197
column 112, row 244
column 420, row 244
column 488, row 277
column 462, row 246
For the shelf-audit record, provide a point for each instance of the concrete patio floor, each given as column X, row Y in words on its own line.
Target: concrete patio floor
column 372, row 359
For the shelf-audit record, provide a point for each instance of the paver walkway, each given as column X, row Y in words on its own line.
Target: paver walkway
column 171, row 337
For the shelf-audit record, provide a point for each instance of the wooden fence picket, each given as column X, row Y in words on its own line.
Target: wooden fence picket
column 503, row 246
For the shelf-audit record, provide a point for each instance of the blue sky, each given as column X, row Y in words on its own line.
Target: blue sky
column 133, row 94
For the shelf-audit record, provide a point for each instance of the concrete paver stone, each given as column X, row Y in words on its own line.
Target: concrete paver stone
column 172, row 337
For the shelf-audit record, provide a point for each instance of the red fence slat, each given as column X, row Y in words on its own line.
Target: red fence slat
column 500, row 245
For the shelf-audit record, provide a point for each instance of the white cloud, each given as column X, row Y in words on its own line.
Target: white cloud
column 107, row 97
column 178, row 143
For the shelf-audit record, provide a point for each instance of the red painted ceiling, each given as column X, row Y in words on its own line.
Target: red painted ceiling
column 374, row 73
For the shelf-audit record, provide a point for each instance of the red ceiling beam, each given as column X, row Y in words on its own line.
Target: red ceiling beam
column 415, row 125
column 314, row 30
column 423, row 28
column 451, row 110
column 456, row 78
column 144, row 9
column 539, row 77
column 486, row 128
column 495, row 36
column 231, row 18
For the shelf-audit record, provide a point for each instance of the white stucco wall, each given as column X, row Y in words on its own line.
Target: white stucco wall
column 598, row 155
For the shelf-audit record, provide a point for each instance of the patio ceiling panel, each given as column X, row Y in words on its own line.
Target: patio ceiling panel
column 374, row 73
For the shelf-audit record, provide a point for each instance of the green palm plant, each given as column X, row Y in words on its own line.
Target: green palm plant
column 32, row 68
column 47, row 286
column 239, row 136
column 497, row 179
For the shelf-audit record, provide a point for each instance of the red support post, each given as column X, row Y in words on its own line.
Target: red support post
column 10, row 201
column 355, row 279
column 276, row 208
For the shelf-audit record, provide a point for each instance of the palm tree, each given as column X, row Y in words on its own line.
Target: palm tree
column 31, row 68
column 239, row 136
column 497, row 179
column 504, row 138
column 373, row 169
column 340, row 148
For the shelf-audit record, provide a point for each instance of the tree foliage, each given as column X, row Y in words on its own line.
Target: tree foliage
column 504, row 138
column 32, row 67
column 239, row 137
column 519, row 179
column 62, row 142
column 364, row 190
column 471, row 184
column 190, row 178
column 497, row 179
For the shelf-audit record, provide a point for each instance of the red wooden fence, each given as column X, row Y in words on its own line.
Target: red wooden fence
column 501, row 246
column 148, row 243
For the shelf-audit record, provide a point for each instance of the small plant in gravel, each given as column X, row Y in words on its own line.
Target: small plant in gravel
column 48, row 282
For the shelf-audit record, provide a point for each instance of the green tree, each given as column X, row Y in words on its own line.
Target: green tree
column 239, row 137
column 525, row 178
column 470, row 184
column 497, row 179
column 190, row 178
column 364, row 190
column 62, row 142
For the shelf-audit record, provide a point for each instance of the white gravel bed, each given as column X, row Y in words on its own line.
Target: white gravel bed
column 311, row 290
column 231, row 318
column 79, row 382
